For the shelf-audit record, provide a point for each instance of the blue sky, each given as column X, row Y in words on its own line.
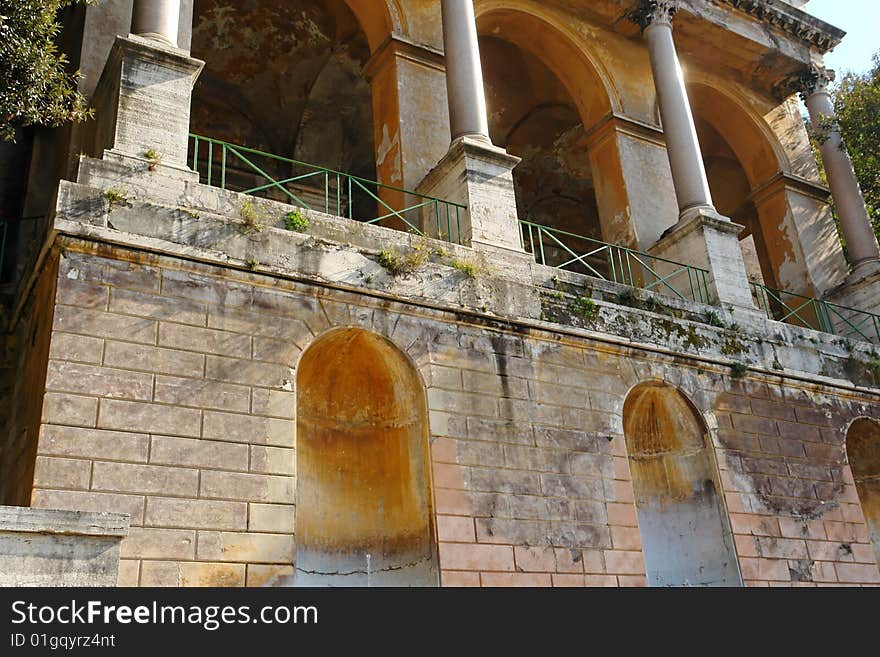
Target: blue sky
column 861, row 20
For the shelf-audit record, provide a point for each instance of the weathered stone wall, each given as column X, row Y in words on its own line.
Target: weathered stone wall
column 171, row 397
column 169, row 392
column 59, row 548
column 793, row 505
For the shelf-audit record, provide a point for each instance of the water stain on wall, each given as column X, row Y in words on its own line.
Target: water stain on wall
column 684, row 537
column 364, row 516
column 863, row 451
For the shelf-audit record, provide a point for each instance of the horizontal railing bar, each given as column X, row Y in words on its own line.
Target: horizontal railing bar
column 616, row 246
column 620, row 261
column 825, row 312
column 287, row 160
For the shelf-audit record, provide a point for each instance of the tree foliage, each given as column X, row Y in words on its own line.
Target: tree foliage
column 35, row 86
column 857, row 101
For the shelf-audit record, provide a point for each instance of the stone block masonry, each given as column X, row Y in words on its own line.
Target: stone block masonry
column 59, row 548
column 171, row 396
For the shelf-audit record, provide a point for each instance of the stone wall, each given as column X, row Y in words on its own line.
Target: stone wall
column 793, row 505
column 59, row 548
column 171, row 396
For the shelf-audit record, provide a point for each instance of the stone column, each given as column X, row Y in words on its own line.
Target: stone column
column 464, row 73
column 156, row 19
column 474, row 172
column 702, row 237
column 854, row 220
column 683, row 148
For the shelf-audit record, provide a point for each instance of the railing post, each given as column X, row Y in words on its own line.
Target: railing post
column 826, row 323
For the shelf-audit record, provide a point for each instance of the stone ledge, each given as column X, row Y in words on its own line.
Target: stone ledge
column 345, row 255
column 28, row 520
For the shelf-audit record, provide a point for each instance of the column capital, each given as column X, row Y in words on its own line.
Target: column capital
column 813, row 80
column 653, row 12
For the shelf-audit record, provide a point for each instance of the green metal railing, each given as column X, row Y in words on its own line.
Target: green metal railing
column 563, row 250
column 250, row 171
column 816, row 314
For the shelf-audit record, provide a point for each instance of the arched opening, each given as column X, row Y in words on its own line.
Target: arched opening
column 364, row 509
column 740, row 159
column 532, row 115
column 287, row 79
column 543, row 97
column 686, row 540
column 863, row 453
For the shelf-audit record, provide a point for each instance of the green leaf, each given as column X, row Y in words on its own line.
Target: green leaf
column 36, row 87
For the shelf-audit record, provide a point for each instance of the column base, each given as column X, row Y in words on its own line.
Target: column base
column 861, row 289
column 703, row 238
column 142, row 102
column 136, row 177
column 478, row 175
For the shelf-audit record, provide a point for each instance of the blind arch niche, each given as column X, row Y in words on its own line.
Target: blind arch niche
column 686, row 540
column 863, row 453
column 364, row 505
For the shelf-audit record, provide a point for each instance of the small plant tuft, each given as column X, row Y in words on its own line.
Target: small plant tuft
column 116, row 197
column 392, row 262
column 403, row 265
column 626, row 298
column 733, row 345
column 739, row 370
column 251, row 216
column 465, row 266
column 297, row 222
column 585, row 308
column 251, row 264
column 712, row 319
column 154, row 158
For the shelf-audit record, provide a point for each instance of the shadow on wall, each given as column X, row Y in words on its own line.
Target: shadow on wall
column 685, row 538
column 364, row 510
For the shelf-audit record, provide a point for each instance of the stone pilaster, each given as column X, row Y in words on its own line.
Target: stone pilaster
column 480, row 176
column 703, row 238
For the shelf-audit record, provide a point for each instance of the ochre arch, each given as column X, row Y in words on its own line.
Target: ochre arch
column 740, row 183
column 586, row 81
column 748, row 135
column 364, row 503
column 378, row 19
column 686, row 540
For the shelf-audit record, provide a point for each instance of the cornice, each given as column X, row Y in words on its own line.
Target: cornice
column 783, row 16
